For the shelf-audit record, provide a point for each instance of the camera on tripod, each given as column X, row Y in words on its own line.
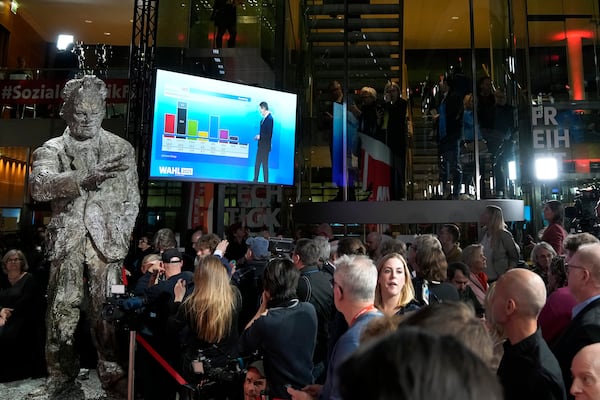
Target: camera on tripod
column 122, row 306
column 582, row 213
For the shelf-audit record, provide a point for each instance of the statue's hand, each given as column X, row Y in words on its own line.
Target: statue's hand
column 103, row 171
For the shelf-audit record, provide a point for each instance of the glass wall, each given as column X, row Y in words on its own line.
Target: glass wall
column 395, row 148
column 526, row 70
column 562, row 135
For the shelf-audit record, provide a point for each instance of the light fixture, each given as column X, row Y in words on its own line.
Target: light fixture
column 63, row 41
column 455, row 17
column 14, row 6
column 87, row 21
column 512, row 170
column 106, row 33
column 546, row 168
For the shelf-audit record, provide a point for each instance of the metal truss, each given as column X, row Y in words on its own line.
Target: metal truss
column 141, row 93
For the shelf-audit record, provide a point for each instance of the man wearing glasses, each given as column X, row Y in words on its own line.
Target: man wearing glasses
column 583, row 275
column 354, row 285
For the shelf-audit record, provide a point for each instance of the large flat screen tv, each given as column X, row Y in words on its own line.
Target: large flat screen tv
column 209, row 130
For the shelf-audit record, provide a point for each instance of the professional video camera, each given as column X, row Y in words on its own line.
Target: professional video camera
column 209, row 379
column 281, row 246
column 582, row 213
column 123, row 307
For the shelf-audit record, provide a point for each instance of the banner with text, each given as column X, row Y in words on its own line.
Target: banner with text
column 49, row 91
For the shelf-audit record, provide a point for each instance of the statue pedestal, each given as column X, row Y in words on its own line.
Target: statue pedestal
column 22, row 389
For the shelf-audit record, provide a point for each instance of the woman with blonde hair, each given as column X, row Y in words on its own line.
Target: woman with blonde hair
column 206, row 322
column 394, row 293
column 500, row 249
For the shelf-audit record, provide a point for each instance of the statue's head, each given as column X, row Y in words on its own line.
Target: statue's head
column 84, row 106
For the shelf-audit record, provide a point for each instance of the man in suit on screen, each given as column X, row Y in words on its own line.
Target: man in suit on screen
column 264, row 142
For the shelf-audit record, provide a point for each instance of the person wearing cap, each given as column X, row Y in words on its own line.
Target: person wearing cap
column 161, row 278
column 157, row 287
column 256, row 381
column 248, row 278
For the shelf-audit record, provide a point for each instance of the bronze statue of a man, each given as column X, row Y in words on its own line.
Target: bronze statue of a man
column 89, row 176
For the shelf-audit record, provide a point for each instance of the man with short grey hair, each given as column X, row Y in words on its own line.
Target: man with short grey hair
column 583, row 277
column 354, row 284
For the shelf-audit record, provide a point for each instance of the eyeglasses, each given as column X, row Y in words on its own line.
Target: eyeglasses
column 569, row 266
column 13, row 260
column 334, row 284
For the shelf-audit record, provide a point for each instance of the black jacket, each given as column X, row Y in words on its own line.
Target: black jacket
column 315, row 287
column 529, row 370
column 583, row 330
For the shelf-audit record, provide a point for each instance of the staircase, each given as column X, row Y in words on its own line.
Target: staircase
column 425, row 162
column 365, row 38
column 359, row 40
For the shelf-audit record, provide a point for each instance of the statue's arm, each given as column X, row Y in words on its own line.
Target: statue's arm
column 47, row 180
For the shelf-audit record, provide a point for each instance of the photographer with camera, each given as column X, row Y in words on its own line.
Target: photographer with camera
column 157, row 286
column 206, row 323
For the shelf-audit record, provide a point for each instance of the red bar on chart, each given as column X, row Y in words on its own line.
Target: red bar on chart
column 169, row 123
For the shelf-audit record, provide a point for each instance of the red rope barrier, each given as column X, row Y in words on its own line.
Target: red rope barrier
column 163, row 363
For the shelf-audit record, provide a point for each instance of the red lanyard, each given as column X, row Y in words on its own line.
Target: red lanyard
column 361, row 312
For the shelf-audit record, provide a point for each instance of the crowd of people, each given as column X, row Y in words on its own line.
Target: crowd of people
column 339, row 318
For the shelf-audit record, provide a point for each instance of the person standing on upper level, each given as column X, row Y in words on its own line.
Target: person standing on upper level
column 225, row 17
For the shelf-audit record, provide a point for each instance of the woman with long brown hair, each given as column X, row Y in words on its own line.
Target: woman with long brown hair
column 555, row 233
column 431, row 270
column 206, row 322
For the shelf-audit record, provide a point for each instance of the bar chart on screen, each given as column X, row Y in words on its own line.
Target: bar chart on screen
column 182, row 135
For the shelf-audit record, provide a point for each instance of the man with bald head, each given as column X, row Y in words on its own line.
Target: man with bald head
column 586, row 373
column 528, row 369
column 583, row 277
